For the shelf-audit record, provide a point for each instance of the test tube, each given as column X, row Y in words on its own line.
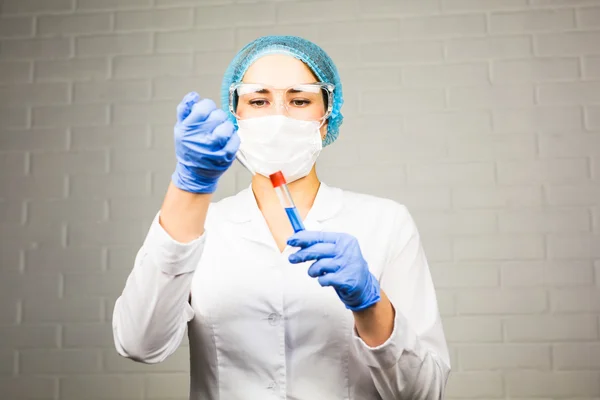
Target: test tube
column 280, row 186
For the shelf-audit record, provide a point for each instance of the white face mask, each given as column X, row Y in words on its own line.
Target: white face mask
column 279, row 143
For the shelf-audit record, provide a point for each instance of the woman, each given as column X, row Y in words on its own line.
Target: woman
column 343, row 310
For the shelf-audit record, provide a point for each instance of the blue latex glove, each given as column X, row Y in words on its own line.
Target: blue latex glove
column 339, row 263
column 206, row 143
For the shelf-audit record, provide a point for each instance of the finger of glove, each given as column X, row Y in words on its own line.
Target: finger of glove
column 185, row 106
column 217, row 115
column 314, row 252
column 232, row 146
column 323, row 266
column 222, row 133
column 331, row 279
column 305, row 238
column 200, row 111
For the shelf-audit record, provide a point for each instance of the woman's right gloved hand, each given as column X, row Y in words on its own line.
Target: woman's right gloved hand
column 206, row 143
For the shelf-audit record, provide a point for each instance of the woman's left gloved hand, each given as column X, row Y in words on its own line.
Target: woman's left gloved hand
column 339, row 263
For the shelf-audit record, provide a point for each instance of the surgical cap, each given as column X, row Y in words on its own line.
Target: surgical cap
column 309, row 53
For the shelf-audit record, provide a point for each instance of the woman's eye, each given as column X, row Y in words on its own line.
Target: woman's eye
column 258, row 103
column 300, row 103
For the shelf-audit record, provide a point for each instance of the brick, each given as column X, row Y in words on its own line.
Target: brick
column 211, row 63
column 73, row 69
column 94, row 138
column 445, row 75
column 151, row 20
column 575, row 300
column 124, row 43
column 497, row 197
column 14, row 117
column 335, row 10
column 444, row 26
column 501, row 301
column 591, row 67
column 588, row 17
column 36, row 233
column 71, row 115
column 446, row 302
column 500, row 247
column 450, row 275
column 107, row 233
column 34, row 140
column 87, row 335
column 15, row 285
column 163, row 385
column 106, row 284
column 491, row 96
column 62, row 310
column 36, row 48
column 70, row 210
column 438, row 248
column 63, row 259
column 545, row 221
column 555, row 328
column 568, row 43
column 237, row 15
column 29, row 387
column 12, row 211
column 546, row 273
column 316, row 32
column 570, row 145
column 597, row 272
column 472, row 329
column 13, row 163
column 55, row 362
column 425, row 198
column 477, row 385
column 112, row 4
column 413, row 148
column 401, row 52
column 7, row 362
column 447, row 123
column 569, row 93
column 344, row 54
column 32, row 187
column 505, row 357
column 153, row 112
column 451, row 174
column 557, row 171
column 9, row 312
column 56, row 163
column 546, row 119
column 16, row 72
column 208, row 86
column 398, row 8
column 482, row 5
column 573, row 246
column 15, row 27
column 477, row 147
column 136, row 208
column 535, row 70
column 370, row 77
column 176, row 362
column 111, row 386
column 576, row 356
column 560, row 2
column 572, row 195
column 109, row 185
column 555, row 384
column 488, row 47
column 73, row 24
column 29, row 336
column 532, row 21
column 34, row 94
column 195, row 40
column 455, row 223
column 111, row 91
column 35, row 6
column 122, row 257
column 152, row 66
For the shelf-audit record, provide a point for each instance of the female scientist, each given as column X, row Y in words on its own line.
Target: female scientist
column 343, row 310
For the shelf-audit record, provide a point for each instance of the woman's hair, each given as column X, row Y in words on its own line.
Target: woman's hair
column 306, row 51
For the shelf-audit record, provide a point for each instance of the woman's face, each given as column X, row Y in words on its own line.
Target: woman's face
column 282, row 71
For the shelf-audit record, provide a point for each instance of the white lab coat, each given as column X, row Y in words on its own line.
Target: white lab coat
column 261, row 328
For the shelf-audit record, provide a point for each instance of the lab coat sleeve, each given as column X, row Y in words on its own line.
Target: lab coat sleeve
column 150, row 317
column 414, row 362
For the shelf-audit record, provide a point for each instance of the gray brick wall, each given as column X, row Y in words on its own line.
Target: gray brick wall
column 482, row 116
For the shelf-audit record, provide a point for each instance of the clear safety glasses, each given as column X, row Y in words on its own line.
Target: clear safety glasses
column 307, row 102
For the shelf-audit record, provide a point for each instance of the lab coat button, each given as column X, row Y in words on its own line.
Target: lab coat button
column 273, row 319
column 272, row 385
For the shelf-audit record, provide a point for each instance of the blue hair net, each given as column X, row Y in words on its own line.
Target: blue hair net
column 309, row 53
